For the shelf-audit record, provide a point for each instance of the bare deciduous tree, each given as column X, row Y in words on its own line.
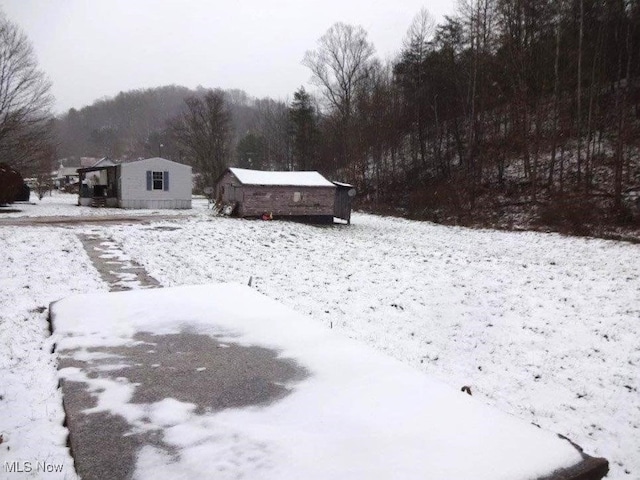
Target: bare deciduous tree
column 25, row 99
column 420, row 33
column 273, row 125
column 413, row 75
column 204, row 131
column 340, row 64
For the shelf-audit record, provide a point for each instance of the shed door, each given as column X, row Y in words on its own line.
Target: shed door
column 235, row 193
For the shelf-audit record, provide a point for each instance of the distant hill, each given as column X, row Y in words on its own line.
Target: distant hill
column 133, row 124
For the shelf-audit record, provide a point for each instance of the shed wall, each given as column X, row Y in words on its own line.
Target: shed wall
column 286, row 201
column 229, row 189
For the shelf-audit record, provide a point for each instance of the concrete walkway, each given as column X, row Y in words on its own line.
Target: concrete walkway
column 120, row 272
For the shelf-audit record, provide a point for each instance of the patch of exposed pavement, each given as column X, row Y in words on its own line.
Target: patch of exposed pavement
column 192, row 368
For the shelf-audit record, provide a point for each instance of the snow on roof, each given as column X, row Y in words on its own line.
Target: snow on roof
column 151, row 158
column 67, row 171
column 87, row 162
column 103, row 162
column 297, row 179
column 156, row 160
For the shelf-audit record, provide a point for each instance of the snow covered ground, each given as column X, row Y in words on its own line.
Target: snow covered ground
column 37, row 266
column 58, row 204
column 542, row 326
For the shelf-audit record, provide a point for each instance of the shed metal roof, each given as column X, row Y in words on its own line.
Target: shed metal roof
column 342, row 184
column 294, row 179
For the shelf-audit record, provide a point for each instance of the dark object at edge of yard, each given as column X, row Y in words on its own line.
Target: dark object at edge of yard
column 11, row 184
column 24, row 194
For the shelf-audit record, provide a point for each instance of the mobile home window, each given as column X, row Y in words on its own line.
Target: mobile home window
column 158, row 181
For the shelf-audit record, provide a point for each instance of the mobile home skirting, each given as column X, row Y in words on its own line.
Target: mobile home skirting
column 158, row 204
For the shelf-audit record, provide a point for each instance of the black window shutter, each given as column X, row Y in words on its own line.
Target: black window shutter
column 166, row 181
column 149, row 180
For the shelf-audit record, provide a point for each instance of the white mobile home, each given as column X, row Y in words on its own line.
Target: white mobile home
column 150, row 183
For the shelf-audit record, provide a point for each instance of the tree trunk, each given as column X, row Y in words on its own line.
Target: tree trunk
column 556, row 107
column 592, row 88
column 579, row 96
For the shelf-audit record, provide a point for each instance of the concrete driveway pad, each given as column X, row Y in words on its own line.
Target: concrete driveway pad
column 218, row 381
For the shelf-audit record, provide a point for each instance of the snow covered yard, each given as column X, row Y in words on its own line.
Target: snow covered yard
column 58, row 204
column 543, row 326
column 37, row 266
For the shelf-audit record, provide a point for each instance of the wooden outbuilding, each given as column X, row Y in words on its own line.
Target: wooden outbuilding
column 345, row 194
column 305, row 195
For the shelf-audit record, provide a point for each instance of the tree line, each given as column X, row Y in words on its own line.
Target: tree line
column 506, row 106
column 509, row 103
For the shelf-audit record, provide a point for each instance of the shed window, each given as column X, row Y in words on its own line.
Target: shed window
column 297, row 196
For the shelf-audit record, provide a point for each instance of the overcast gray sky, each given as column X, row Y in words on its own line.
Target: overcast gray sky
column 96, row 48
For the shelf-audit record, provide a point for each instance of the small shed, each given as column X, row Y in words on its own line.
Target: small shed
column 253, row 193
column 345, row 193
column 149, row 183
